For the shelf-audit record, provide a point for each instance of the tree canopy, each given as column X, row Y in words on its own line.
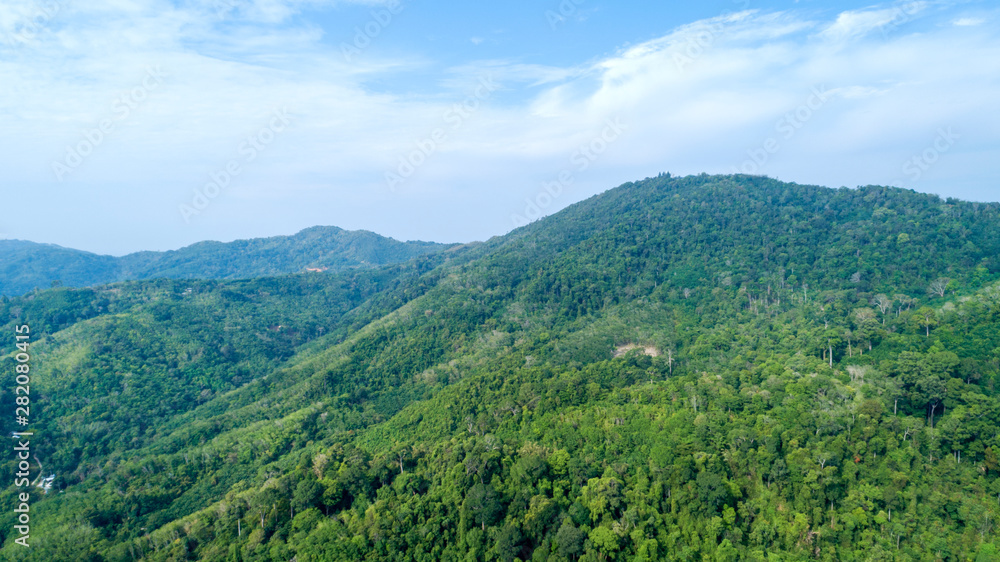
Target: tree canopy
column 707, row 367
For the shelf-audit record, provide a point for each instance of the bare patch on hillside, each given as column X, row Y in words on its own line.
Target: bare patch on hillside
column 646, row 350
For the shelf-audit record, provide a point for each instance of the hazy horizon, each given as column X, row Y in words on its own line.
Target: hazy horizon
column 288, row 234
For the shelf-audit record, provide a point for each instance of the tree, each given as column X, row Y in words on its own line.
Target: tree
column 602, row 496
column 713, row 492
column 308, row 493
column 884, row 303
column 924, row 378
column 938, row 287
column 779, row 472
column 605, row 540
column 508, row 543
column 482, row 505
column 903, row 300
column 569, row 539
column 867, row 325
column 864, row 315
column 988, row 552
column 926, row 318
column 972, row 370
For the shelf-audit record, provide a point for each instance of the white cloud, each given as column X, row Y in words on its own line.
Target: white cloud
column 969, row 22
column 857, row 23
column 701, row 98
column 272, row 11
column 858, row 92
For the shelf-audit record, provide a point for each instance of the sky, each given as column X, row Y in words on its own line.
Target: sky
column 152, row 124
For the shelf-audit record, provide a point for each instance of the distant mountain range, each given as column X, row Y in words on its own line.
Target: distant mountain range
column 27, row 265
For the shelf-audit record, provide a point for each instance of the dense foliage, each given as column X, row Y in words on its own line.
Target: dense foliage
column 710, row 368
column 26, row 266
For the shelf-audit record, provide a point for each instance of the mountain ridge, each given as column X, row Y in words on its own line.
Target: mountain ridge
column 29, row 265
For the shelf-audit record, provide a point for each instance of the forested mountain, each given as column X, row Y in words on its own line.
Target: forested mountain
column 26, row 265
column 697, row 368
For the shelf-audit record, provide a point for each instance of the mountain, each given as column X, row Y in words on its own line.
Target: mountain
column 706, row 367
column 27, row 265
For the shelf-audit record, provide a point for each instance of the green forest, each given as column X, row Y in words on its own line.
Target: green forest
column 712, row 368
column 28, row 266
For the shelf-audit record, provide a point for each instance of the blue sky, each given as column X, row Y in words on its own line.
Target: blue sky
column 146, row 124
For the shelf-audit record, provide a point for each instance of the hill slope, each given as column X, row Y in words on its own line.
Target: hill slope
column 27, row 265
column 813, row 375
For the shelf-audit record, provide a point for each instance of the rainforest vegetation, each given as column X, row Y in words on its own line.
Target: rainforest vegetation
column 682, row 368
